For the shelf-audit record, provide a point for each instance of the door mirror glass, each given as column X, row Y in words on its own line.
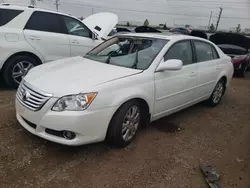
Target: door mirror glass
column 170, row 65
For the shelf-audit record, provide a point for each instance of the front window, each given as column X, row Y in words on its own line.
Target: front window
column 75, row 27
column 130, row 52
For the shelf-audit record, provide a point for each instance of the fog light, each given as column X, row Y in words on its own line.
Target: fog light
column 69, row 135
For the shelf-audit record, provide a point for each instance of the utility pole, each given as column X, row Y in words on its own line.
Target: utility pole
column 57, row 4
column 92, row 11
column 209, row 22
column 218, row 21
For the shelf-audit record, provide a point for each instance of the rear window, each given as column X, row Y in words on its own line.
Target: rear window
column 6, row 15
column 232, row 49
column 44, row 21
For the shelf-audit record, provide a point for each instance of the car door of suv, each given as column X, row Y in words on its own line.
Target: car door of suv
column 45, row 32
column 80, row 37
column 175, row 90
column 208, row 67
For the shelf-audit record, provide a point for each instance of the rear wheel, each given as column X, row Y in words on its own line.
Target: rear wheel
column 16, row 68
column 124, row 124
column 217, row 94
column 243, row 70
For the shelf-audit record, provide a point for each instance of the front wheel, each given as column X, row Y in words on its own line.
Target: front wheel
column 124, row 124
column 217, row 94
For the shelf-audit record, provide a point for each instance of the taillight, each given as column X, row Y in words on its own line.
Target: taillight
column 239, row 58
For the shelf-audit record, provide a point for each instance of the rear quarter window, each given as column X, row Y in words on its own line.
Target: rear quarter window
column 6, row 15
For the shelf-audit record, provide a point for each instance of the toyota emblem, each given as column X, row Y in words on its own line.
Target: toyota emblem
column 25, row 95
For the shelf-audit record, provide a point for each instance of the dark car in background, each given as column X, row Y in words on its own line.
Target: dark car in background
column 181, row 30
column 237, row 47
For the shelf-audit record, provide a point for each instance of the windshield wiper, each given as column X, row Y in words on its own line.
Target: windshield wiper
column 136, row 60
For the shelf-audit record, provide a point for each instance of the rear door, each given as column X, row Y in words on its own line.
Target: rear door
column 80, row 37
column 208, row 62
column 47, row 34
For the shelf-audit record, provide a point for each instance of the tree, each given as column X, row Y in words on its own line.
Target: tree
column 146, row 22
column 81, row 18
column 187, row 26
column 212, row 28
column 128, row 24
column 165, row 26
column 238, row 28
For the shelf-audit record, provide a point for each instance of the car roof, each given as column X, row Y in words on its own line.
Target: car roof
column 169, row 36
column 29, row 8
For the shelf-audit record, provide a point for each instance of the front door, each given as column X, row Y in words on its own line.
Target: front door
column 45, row 33
column 176, row 89
column 80, row 37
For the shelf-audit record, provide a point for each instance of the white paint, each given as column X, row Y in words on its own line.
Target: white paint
column 165, row 92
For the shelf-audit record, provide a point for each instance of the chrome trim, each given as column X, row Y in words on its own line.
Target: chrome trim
column 36, row 99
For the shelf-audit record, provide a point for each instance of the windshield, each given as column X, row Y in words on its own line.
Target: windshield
column 131, row 52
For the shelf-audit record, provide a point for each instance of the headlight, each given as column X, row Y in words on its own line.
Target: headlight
column 77, row 102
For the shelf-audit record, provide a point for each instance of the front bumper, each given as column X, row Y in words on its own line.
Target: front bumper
column 90, row 126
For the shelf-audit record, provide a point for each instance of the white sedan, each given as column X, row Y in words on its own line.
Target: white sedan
column 122, row 84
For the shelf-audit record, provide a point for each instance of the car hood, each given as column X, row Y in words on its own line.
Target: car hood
column 101, row 23
column 231, row 38
column 74, row 75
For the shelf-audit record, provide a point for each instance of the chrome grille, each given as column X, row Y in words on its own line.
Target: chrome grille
column 31, row 98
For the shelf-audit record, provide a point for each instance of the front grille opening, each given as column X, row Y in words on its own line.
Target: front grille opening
column 54, row 132
column 30, row 124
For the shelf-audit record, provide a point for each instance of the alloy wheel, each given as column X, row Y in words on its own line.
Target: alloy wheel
column 130, row 123
column 218, row 92
column 20, row 70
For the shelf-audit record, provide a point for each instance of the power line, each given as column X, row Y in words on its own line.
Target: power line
column 145, row 11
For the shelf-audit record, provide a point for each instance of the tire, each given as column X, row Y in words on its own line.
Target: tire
column 243, row 70
column 217, row 94
column 118, row 129
column 18, row 65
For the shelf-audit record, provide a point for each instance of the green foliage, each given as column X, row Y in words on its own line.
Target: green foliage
column 146, row 22
column 212, row 28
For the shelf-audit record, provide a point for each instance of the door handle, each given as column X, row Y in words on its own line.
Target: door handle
column 75, row 42
column 193, row 74
column 34, row 38
column 218, row 67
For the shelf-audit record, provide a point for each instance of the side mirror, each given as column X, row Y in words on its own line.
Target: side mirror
column 94, row 36
column 171, row 65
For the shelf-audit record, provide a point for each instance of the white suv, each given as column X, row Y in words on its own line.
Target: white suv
column 30, row 36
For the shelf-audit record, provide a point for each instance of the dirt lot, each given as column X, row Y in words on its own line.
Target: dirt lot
column 158, row 158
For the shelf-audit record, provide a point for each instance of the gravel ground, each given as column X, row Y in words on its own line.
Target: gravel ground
column 159, row 157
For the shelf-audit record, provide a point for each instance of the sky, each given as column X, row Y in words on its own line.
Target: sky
column 193, row 12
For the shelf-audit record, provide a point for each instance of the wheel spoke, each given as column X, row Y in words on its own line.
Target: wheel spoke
column 126, row 135
column 20, row 66
column 17, row 74
column 30, row 66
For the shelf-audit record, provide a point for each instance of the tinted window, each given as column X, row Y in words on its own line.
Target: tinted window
column 182, row 51
column 43, row 21
column 232, row 49
column 203, row 51
column 77, row 28
column 6, row 15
